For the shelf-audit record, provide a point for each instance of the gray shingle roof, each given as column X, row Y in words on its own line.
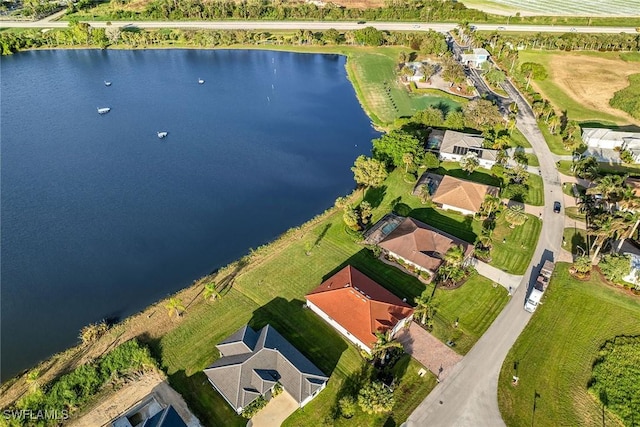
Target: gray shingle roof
column 242, row 377
column 461, row 143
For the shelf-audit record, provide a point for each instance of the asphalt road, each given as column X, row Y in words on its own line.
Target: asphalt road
column 316, row 25
column 468, row 397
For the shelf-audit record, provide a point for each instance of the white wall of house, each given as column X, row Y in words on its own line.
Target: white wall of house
column 400, row 325
column 338, row 327
column 457, row 209
column 449, row 157
column 311, row 397
column 419, row 267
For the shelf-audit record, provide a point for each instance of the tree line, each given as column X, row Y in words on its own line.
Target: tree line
column 82, row 34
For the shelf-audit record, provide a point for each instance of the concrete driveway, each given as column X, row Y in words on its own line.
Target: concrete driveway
column 428, row 350
column 277, row 410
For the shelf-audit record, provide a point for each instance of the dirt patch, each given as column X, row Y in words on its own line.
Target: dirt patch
column 119, row 402
column 592, row 81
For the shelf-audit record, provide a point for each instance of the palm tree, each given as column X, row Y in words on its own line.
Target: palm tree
column 210, row 292
column 582, row 265
column 603, row 227
column 175, row 306
column 490, row 204
column 424, row 307
column 469, row 163
column 587, row 168
column 515, row 216
column 407, row 159
column 611, row 187
column 454, row 256
column 33, row 379
column 486, row 238
column 383, row 345
column 554, row 123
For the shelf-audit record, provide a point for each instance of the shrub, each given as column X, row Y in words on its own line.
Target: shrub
column 92, row 332
column 616, row 378
column 375, row 397
column 628, row 99
column 347, row 406
column 615, row 267
column 254, row 407
column 277, row 389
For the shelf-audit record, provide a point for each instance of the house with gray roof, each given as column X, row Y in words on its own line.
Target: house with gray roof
column 456, row 145
column 252, row 362
column 475, row 57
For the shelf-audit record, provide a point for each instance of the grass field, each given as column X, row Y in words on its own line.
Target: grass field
column 271, row 290
column 555, row 352
column 518, row 139
column 583, row 83
column 554, row 142
column 576, row 241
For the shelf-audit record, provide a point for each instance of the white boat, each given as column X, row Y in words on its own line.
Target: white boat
column 162, row 134
column 106, row 83
column 200, row 81
column 103, row 110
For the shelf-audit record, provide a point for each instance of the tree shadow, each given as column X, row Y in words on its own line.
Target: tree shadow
column 305, row 330
column 402, row 209
column 322, row 234
column 352, row 385
column 445, row 108
column 461, row 227
column 375, row 195
column 578, row 241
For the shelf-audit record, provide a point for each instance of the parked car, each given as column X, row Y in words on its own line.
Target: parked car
column 556, row 207
column 362, row 22
column 501, row 28
column 573, row 29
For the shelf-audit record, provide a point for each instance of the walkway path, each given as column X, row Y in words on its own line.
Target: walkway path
column 509, row 281
column 428, row 350
column 469, row 395
column 277, row 410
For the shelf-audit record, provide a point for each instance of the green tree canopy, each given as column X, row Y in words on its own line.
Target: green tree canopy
column 534, row 70
column 369, row 36
column 369, row 172
column 391, row 147
column 482, row 114
column 375, row 398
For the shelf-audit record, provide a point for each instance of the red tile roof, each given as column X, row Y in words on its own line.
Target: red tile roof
column 359, row 304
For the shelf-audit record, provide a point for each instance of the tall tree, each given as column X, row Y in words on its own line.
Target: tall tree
column 369, row 172
column 392, row 146
column 407, row 159
column 383, row 345
column 424, row 307
column 469, row 162
column 482, row 114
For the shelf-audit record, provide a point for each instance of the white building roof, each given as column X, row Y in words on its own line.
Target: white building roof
column 595, row 135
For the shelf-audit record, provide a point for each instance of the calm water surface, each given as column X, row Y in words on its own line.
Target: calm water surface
column 100, row 217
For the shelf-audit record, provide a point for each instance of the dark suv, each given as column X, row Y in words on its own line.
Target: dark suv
column 556, row 207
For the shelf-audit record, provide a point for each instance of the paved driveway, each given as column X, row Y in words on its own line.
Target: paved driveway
column 428, row 350
column 277, row 410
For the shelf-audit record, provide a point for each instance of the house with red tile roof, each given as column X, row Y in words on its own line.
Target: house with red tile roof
column 358, row 307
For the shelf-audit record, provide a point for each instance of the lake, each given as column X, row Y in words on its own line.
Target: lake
column 100, row 217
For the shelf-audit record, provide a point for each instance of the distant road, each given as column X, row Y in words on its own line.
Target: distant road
column 317, row 25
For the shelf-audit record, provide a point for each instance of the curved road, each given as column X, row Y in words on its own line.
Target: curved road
column 315, row 25
column 468, row 397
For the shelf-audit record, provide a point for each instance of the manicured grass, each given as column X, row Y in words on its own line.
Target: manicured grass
column 481, row 175
column 633, row 170
column 532, row 159
column 555, row 353
column 564, row 167
column 473, row 319
column 519, row 139
column 576, row 241
column 573, row 212
column 514, row 254
column 553, row 141
column 271, row 290
column 535, row 195
column 567, row 188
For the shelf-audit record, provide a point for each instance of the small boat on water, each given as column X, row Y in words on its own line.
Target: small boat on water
column 200, row 81
column 107, row 83
column 103, row 110
column 162, row 134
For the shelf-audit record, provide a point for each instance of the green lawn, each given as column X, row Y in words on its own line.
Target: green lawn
column 567, row 188
column 573, row 212
column 514, row 253
column 564, row 167
column 576, row 241
column 535, row 196
column 474, row 319
column 553, row 141
column 518, row 139
column 605, row 168
column 561, row 99
column 532, row 159
column 555, row 353
column 271, row 290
